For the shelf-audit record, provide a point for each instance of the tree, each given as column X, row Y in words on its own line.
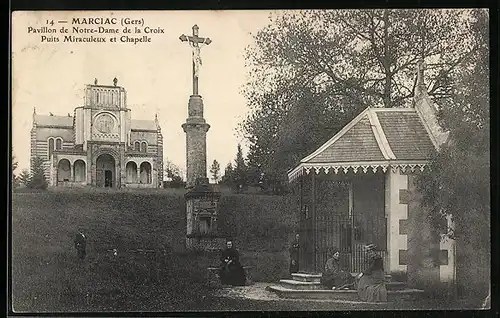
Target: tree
column 240, row 169
column 311, row 72
column 15, row 181
column 24, row 177
column 458, row 185
column 38, row 180
column 228, row 178
column 174, row 173
column 215, row 170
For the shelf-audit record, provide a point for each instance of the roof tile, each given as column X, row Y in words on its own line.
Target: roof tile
column 406, row 135
column 357, row 144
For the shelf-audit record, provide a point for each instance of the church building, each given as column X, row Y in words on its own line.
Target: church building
column 100, row 144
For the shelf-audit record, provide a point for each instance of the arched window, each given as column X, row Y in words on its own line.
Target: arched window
column 51, row 147
column 145, row 173
column 131, row 169
column 137, row 146
column 58, row 144
column 144, row 147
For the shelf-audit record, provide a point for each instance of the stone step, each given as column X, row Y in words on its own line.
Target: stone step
column 300, row 285
column 303, row 277
column 351, row 295
column 396, row 286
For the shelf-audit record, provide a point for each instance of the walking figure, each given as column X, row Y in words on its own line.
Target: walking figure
column 80, row 244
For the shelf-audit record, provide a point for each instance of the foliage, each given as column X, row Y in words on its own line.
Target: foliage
column 227, row 178
column 236, row 175
column 240, row 169
column 311, row 72
column 15, row 179
column 38, row 180
column 215, row 171
column 174, row 174
column 459, row 182
column 24, row 177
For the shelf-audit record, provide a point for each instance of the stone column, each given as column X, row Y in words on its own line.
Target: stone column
column 72, row 173
column 138, row 178
column 396, row 208
column 196, row 130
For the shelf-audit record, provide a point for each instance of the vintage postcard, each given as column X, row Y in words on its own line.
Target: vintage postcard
column 258, row 160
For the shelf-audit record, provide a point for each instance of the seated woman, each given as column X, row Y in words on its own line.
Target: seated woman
column 334, row 277
column 231, row 272
column 371, row 285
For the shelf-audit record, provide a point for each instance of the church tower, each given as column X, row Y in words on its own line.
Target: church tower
column 196, row 130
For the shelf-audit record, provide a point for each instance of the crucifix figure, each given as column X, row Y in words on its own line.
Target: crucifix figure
column 195, row 42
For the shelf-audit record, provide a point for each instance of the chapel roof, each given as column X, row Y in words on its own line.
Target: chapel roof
column 139, row 124
column 376, row 138
column 54, row 121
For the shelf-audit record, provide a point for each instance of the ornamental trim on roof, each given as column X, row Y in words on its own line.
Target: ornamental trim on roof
column 357, row 167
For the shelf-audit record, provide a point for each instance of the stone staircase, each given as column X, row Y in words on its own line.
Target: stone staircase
column 308, row 286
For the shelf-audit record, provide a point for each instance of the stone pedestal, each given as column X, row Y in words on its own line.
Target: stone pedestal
column 202, row 204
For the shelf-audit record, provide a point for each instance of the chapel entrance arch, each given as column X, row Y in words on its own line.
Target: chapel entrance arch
column 105, row 171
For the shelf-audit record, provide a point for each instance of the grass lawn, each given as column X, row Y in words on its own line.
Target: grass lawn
column 152, row 271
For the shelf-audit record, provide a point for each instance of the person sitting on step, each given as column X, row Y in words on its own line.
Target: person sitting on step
column 334, row 277
column 231, row 272
column 371, row 284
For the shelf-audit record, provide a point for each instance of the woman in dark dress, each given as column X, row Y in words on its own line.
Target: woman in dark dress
column 371, row 285
column 231, row 272
column 294, row 255
column 334, row 277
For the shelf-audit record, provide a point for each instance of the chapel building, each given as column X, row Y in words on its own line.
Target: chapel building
column 360, row 187
column 100, row 145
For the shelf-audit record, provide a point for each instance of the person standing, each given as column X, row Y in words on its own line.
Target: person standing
column 294, row 255
column 80, row 244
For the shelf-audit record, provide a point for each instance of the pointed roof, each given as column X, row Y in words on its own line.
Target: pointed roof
column 377, row 137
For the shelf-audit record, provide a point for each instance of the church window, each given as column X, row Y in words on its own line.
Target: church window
column 144, row 146
column 51, row 147
column 137, row 146
column 58, row 144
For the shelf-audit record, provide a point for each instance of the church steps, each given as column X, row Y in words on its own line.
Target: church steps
column 301, row 285
column 303, row 277
column 351, row 295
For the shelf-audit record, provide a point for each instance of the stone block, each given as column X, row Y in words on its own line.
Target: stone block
column 404, row 196
column 403, row 257
column 403, row 227
column 443, row 257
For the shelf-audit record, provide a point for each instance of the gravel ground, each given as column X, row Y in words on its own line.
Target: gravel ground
column 257, row 298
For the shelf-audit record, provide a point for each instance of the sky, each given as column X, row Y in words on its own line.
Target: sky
column 157, row 75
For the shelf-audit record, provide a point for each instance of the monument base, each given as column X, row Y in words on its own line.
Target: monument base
column 201, row 216
column 205, row 243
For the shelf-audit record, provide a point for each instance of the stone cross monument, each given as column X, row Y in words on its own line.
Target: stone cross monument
column 195, row 127
column 201, row 200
